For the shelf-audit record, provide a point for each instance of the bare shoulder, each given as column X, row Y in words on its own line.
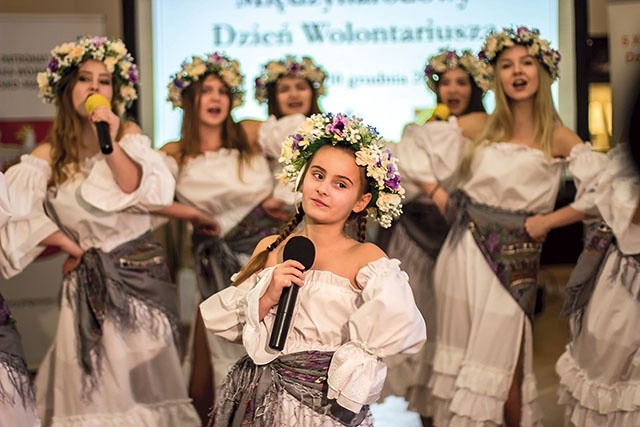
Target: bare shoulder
column 368, row 252
column 262, row 244
column 563, row 140
column 252, row 129
column 42, row 151
column 472, row 124
column 172, row 149
column 130, row 127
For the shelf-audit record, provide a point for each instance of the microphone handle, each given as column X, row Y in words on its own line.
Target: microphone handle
column 104, row 138
column 284, row 314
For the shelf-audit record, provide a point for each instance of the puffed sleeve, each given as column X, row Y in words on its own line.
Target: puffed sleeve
column 618, row 195
column 585, row 166
column 233, row 313
column 431, row 152
column 386, row 323
column 156, row 188
column 20, row 238
column 5, row 210
column 274, row 131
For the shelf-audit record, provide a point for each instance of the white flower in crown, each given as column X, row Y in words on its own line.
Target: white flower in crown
column 290, row 66
column 227, row 69
column 381, row 166
column 537, row 47
column 448, row 60
column 110, row 51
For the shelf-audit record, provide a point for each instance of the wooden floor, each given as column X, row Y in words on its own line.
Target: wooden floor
column 549, row 339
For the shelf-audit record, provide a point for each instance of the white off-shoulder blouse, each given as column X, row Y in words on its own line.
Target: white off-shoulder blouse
column 617, row 197
column 89, row 207
column 218, row 185
column 360, row 325
column 272, row 134
column 5, row 209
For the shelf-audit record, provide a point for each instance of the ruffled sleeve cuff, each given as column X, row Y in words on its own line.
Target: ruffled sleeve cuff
column 386, row 323
column 21, row 236
column 225, row 313
column 586, row 166
column 274, row 131
column 256, row 333
column 156, row 188
column 356, row 376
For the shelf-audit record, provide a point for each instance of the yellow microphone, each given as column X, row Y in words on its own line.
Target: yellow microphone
column 92, row 102
column 441, row 112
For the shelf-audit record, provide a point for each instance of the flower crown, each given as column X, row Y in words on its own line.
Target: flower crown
column 112, row 52
column 448, row 60
column 538, row 47
column 381, row 166
column 227, row 69
column 290, row 66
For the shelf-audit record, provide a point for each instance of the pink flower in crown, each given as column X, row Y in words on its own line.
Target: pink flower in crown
column 338, row 125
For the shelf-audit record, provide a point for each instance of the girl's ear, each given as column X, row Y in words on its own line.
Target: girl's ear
column 362, row 203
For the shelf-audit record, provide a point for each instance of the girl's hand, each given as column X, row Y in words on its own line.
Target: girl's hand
column 104, row 114
column 204, row 224
column 537, row 227
column 289, row 273
column 276, row 209
column 70, row 264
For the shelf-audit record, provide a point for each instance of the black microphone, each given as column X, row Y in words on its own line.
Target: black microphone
column 94, row 101
column 300, row 249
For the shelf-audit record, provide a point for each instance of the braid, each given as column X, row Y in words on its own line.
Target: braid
column 260, row 259
column 287, row 229
column 362, row 226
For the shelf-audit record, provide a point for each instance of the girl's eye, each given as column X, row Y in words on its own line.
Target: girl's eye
column 317, row 175
column 342, row 185
column 106, row 82
column 84, row 78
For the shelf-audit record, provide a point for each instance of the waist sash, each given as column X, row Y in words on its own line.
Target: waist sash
column 249, row 395
column 216, row 258
column 107, row 283
column 424, row 224
column 12, row 361
column 501, row 237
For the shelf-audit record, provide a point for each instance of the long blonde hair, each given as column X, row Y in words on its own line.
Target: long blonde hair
column 499, row 126
column 65, row 136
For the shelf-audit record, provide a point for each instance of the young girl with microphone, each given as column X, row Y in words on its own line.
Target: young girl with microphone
column 354, row 306
column 115, row 355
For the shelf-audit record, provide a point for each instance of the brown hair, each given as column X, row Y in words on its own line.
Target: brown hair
column 272, row 100
column 233, row 135
column 258, row 261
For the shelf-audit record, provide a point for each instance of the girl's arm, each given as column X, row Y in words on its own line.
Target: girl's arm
column 201, row 221
column 538, row 226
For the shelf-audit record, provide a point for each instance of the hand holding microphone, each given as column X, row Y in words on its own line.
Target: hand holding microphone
column 301, row 249
column 92, row 102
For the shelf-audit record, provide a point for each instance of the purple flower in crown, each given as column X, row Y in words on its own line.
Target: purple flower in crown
column 294, row 68
column 216, row 57
column 53, row 65
column 522, row 31
column 99, row 41
column 338, row 125
column 133, row 74
column 178, row 83
column 297, row 138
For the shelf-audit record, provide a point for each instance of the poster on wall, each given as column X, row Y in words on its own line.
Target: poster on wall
column 624, row 48
column 25, row 45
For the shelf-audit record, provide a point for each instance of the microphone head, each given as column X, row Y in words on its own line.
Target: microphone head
column 441, row 112
column 94, row 101
column 301, row 249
